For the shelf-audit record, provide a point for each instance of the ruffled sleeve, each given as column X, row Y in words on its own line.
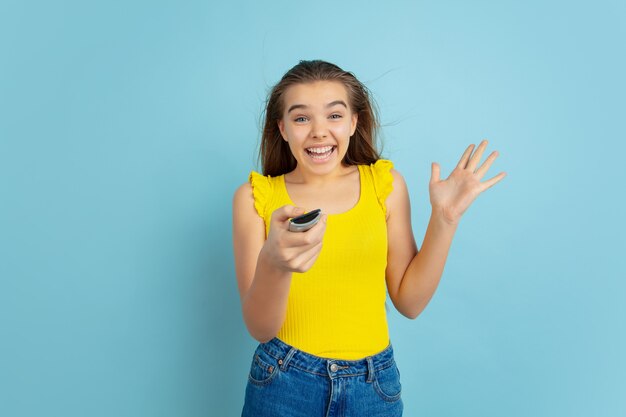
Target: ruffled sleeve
column 261, row 190
column 383, row 180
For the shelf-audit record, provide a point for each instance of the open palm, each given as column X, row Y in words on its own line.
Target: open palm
column 452, row 196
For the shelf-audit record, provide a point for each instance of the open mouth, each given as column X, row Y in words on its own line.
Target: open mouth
column 320, row 153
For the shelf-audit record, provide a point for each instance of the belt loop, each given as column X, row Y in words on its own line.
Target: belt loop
column 370, row 369
column 288, row 357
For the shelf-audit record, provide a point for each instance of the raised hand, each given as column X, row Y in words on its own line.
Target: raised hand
column 452, row 196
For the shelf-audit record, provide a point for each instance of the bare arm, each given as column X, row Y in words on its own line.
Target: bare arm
column 413, row 277
column 264, row 267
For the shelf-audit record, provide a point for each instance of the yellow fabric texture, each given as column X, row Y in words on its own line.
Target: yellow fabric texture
column 336, row 309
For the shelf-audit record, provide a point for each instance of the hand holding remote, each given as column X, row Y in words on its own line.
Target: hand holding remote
column 295, row 252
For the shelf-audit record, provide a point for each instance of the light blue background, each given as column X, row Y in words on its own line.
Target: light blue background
column 125, row 128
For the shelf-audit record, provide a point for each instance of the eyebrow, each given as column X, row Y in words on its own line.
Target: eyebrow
column 304, row 106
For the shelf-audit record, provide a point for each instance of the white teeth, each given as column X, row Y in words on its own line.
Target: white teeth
column 323, row 149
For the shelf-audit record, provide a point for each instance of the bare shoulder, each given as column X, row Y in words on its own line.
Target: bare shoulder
column 243, row 194
column 243, row 203
column 398, row 179
column 398, row 199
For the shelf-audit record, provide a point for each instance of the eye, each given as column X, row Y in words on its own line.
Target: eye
column 300, row 119
column 336, row 116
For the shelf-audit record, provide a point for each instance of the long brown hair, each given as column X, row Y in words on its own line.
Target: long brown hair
column 274, row 153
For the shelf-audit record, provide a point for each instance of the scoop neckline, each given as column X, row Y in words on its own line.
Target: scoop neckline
column 351, row 209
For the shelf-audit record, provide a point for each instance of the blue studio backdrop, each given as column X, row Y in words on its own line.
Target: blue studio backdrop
column 125, row 128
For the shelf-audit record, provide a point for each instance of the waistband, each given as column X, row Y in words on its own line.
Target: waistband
column 287, row 355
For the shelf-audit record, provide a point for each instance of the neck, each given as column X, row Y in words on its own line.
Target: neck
column 301, row 176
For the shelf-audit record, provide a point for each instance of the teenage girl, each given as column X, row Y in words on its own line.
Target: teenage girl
column 315, row 300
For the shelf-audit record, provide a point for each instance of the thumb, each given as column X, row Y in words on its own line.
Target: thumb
column 434, row 174
column 284, row 213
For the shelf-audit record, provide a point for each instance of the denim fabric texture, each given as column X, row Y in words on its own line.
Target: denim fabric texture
column 286, row 382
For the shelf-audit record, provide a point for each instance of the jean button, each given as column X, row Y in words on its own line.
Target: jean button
column 334, row 367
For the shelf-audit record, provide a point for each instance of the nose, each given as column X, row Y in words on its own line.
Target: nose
column 319, row 129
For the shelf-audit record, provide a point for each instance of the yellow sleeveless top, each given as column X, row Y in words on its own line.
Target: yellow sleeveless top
column 336, row 309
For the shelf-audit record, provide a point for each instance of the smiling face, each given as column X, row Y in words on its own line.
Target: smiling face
column 317, row 123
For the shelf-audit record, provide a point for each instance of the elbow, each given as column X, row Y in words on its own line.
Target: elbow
column 407, row 310
column 263, row 339
column 415, row 311
column 411, row 314
column 262, row 325
column 260, row 336
column 260, row 332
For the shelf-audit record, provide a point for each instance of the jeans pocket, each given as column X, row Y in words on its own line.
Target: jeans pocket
column 387, row 383
column 263, row 369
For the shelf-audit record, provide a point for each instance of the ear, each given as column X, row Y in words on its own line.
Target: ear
column 355, row 118
column 281, row 127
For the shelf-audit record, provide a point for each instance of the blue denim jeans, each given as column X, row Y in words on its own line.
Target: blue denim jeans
column 286, row 382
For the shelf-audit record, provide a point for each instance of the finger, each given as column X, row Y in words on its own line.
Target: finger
column 308, row 238
column 491, row 182
column 284, row 213
column 309, row 264
column 475, row 159
column 482, row 170
column 434, row 173
column 316, row 233
column 306, row 259
column 463, row 161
